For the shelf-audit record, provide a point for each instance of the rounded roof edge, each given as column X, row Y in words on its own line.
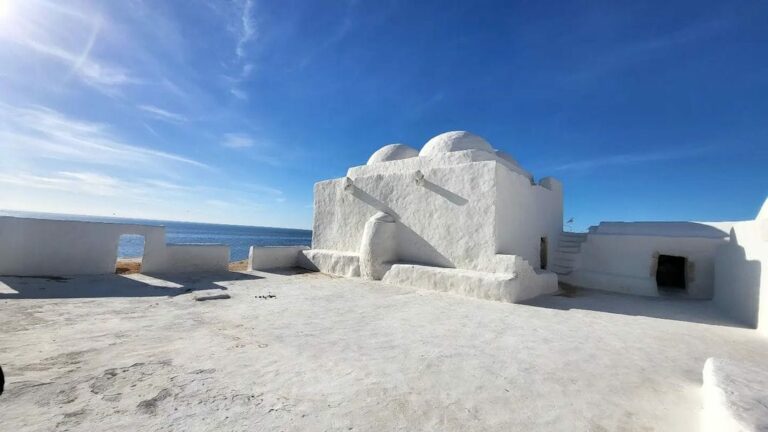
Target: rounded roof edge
column 392, row 152
column 455, row 141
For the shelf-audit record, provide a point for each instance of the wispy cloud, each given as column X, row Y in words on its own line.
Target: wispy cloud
column 237, row 141
column 162, row 114
column 33, row 30
column 240, row 94
column 630, row 158
column 630, row 53
column 89, row 183
column 38, row 132
column 247, row 28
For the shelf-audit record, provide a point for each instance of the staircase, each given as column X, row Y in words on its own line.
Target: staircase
column 567, row 249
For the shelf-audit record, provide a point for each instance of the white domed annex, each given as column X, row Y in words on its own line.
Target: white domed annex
column 455, row 141
column 392, row 152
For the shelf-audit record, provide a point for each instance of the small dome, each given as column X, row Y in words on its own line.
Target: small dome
column 454, row 141
column 392, row 152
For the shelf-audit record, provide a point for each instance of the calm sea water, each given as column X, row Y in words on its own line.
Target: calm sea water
column 238, row 238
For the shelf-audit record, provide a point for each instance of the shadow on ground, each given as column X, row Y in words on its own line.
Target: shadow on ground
column 665, row 307
column 100, row 286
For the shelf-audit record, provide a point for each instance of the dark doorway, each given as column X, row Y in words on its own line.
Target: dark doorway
column 543, row 253
column 670, row 272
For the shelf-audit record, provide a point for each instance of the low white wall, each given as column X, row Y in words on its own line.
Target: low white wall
column 43, row 247
column 188, row 258
column 521, row 285
column 741, row 274
column 270, row 257
column 331, row 262
column 627, row 263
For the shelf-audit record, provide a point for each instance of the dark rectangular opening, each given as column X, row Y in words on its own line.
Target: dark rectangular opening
column 543, row 253
column 670, row 272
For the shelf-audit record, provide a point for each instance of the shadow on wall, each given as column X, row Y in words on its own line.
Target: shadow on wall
column 105, row 286
column 373, row 201
column 668, row 308
column 737, row 282
column 414, row 249
column 445, row 193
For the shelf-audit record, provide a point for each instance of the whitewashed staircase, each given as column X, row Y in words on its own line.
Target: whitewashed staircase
column 567, row 249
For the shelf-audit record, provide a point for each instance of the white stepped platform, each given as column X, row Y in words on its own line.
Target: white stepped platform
column 507, row 287
column 735, row 397
column 333, row 262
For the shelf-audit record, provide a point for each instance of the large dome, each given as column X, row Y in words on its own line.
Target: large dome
column 392, row 152
column 454, row 141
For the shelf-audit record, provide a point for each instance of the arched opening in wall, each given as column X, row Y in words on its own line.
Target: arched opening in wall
column 543, row 253
column 130, row 252
column 670, row 273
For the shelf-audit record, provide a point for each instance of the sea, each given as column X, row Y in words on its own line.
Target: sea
column 239, row 238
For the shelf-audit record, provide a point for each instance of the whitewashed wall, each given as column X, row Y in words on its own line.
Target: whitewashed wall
column 272, row 257
column 41, row 247
column 525, row 213
column 622, row 257
column 461, row 215
column 741, row 274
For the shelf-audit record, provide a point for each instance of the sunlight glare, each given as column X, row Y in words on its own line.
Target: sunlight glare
column 5, row 9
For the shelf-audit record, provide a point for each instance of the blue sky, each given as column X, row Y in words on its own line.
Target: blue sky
column 229, row 111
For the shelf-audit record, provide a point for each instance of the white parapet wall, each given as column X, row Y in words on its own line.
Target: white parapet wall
column 332, row 262
column 273, row 257
column 741, row 274
column 189, row 258
column 43, row 247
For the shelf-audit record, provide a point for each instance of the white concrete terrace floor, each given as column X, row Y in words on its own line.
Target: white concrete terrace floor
column 119, row 353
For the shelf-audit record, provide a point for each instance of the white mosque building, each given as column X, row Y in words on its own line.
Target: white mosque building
column 460, row 216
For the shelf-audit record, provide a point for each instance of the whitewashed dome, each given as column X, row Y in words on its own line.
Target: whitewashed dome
column 454, row 141
column 392, row 152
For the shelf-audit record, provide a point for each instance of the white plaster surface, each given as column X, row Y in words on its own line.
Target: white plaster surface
column 188, row 258
column 35, row 247
column 458, row 205
column 504, row 287
column 735, row 396
column 270, row 257
column 112, row 353
column 378, row 247
column 450, row 220
column 331, row 262
column 741, row 274
column 626, row 262
column 714, row 230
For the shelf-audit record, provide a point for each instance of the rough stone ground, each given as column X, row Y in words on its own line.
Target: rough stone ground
column 310, row 352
